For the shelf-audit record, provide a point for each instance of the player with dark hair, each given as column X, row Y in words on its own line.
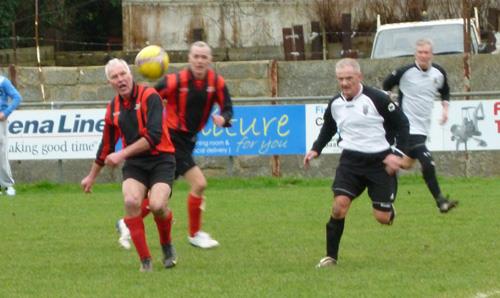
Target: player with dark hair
column 368, row 123
column 135, row 115
column 190, row 96
column 419, row 84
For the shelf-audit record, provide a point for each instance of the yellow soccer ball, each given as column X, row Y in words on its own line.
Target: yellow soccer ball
column 152, row 62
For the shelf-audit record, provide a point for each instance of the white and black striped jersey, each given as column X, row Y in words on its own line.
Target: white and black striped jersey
column 368, row 123
column 417, row 91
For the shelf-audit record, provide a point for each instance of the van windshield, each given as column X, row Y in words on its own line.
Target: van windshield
column 399, row 42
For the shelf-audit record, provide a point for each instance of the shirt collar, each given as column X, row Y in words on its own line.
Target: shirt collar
column 355, row 96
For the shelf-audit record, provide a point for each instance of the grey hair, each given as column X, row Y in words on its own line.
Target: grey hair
column 114, row 62
column 348, row 62
column 424, row 42
column 200, row 44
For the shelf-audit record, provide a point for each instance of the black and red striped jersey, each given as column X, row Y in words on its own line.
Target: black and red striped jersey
column 129, row 120
column 190, row 101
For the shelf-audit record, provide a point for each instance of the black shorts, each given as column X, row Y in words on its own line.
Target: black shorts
column 151, row 169
column 357, row 171
column 184, row 144
column 416, row 146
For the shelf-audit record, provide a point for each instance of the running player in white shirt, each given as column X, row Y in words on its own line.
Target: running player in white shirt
column 419, row 84
column 368, row 123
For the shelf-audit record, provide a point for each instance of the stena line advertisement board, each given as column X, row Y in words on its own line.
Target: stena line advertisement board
column 255, row 130
column 55, row 134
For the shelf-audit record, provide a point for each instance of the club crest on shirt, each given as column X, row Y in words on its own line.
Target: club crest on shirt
column 137, row 106
column 391, row 107
column 210, row 89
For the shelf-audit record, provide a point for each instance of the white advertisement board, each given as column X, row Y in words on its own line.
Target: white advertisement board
column 55, row 134
column 472, row 125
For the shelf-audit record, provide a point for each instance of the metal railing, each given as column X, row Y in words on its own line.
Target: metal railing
column 244, row 100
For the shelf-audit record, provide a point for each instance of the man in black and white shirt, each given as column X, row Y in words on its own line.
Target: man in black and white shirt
column 419, row 84
column 368, row 123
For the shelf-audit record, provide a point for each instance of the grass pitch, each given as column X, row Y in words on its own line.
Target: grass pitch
column 56, row 241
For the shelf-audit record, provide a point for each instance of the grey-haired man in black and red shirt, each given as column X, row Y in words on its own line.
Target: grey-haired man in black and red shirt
column 190, row 95
column 135, row 115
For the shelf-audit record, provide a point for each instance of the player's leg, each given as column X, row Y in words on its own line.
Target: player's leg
column 346, row 186
column 195, row 205
column 334, row 230
column 186, row 166
column 6, row 179
column 122, row 229
column 424, row 156
column 382, row 190
column 133, row 193
column 162, row 177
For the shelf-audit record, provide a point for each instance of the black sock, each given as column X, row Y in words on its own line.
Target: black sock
column 429, row 174
column 334, row 230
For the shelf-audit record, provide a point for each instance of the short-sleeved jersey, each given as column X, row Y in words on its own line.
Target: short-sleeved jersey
column 130, row 120
column 417, row 91
column 189, row 101
column 369, row 123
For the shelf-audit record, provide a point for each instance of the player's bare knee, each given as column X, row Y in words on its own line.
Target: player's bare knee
column 384, row 219
column 384, row 213
column 199, row 186
column 340, row 206
column 132, row 203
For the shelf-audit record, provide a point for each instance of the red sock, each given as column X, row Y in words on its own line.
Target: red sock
column 145, row 207
column 194, row 211
column 138, row 235
column 164, row 226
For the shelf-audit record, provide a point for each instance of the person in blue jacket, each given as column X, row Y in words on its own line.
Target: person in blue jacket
column 9, row 100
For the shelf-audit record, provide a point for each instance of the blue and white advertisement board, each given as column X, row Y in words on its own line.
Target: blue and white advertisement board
column 256, row 130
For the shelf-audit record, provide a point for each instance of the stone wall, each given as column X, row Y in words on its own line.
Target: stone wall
column 249, row 79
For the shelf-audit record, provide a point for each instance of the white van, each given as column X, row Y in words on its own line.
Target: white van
column 398, row 39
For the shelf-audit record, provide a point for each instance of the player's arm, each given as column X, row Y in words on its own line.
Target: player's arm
column 107, row 146
column 444, row 91
column 88, row 181
column 328, row 130
column 12, row 92
column 166, row 85
column 391, row 80
column 225, row 104
column 397, row 127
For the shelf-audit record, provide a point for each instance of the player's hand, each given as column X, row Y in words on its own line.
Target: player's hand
column 407, row 162
column 114, row 159
column 309, row 156
column 218, row 120
column 86, row 184
column 392, row 164
column 2, row 116
column 444, row 119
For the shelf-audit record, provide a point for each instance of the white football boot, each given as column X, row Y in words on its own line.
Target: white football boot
column 203, row 240
column 124, row 232
column 326, row 262
column 10, row 191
